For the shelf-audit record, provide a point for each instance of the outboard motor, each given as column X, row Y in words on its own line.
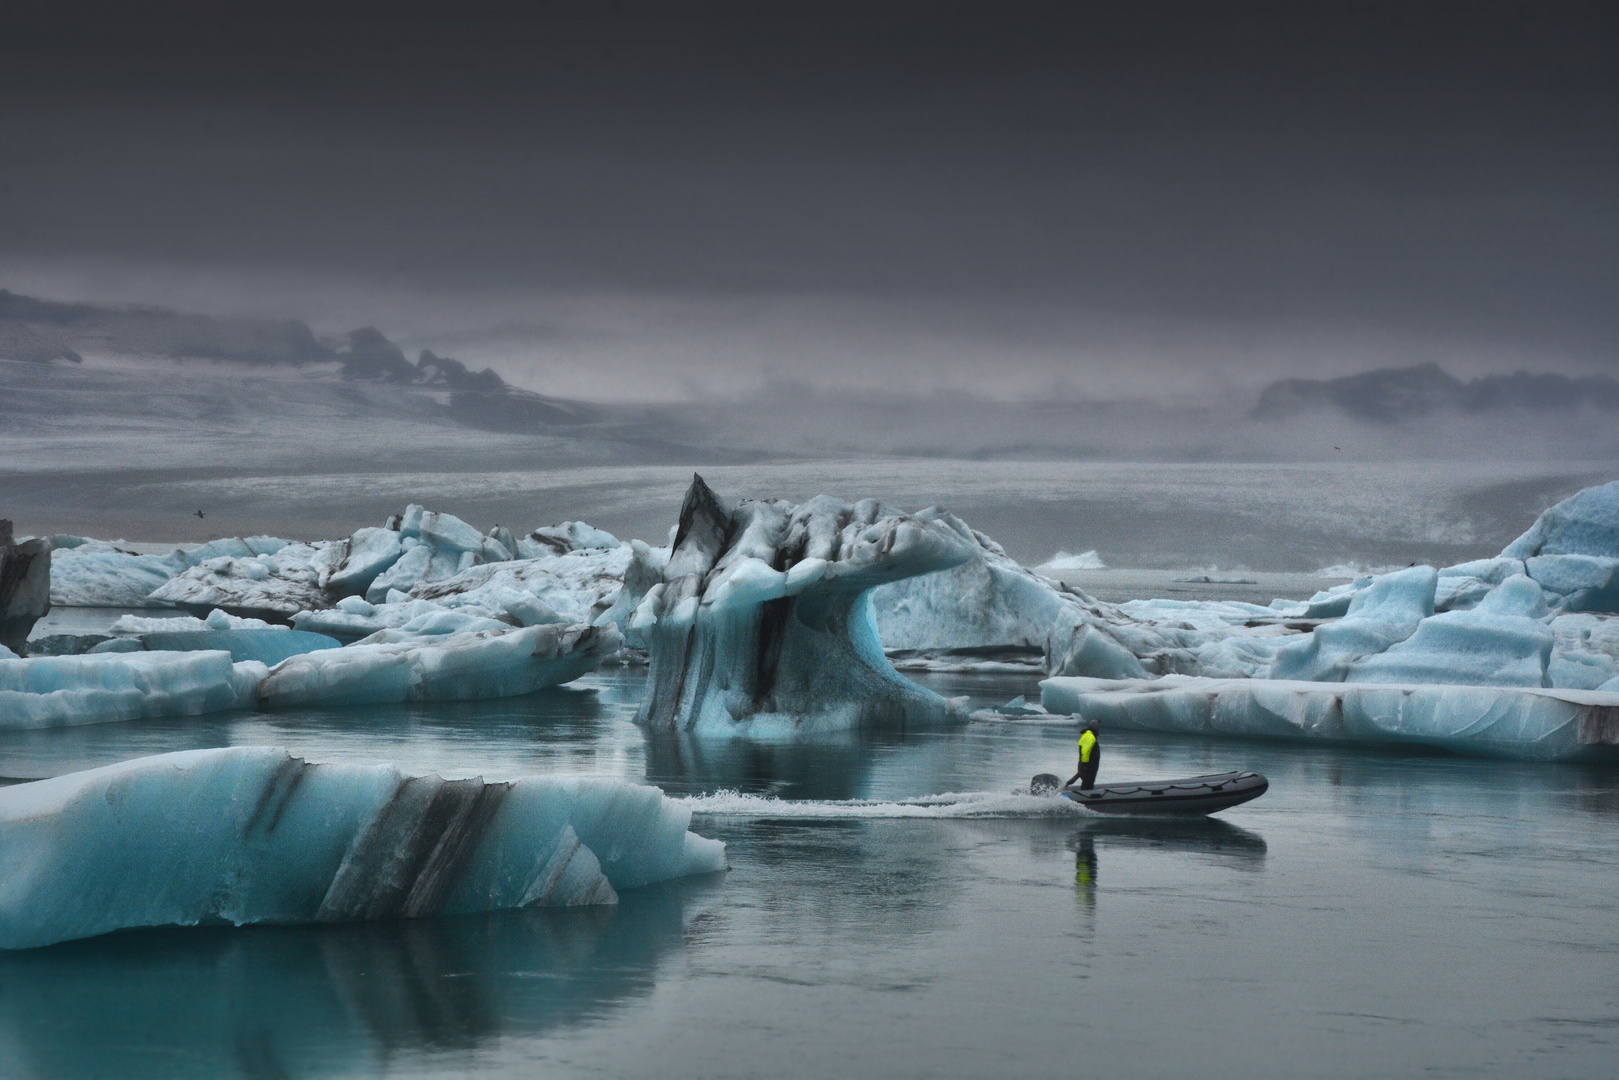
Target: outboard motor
column 1045, row 784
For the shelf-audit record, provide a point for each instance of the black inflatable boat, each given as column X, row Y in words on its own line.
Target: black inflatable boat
column 1193, row 795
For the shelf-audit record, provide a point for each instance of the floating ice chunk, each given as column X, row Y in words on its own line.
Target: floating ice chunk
column 1063, row 560
column 267, row 646
column 443, row 531
column 643, row 574
column 25, row 587
column 1579, row 582
column 361, row 558
column 58, row 691
column 1387, row 612
column 579, row 585
column 251, row 834
column 732, row 651
column 407, row 571
column 1523, row 722
column 136, row 624
column 411, row 618
column 571, row 536
column 98, row 574
column 1330, row 603
column 127, row 643
column 273, row 586
column 7, row 654
column 989, row 601
column 1501, row 642
column 1098, row 655
column 224, row 620
column 1584, row 524
column 464, row 666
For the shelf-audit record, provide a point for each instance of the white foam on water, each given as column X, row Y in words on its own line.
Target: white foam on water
column 969, row 804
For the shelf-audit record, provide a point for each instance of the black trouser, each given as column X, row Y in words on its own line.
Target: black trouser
column 1087, row 770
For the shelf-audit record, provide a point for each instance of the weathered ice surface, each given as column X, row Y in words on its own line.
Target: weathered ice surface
column 1533, row 723
column 1586, row 523
column 25, row 588
column 464, row 666
column 763, row 619
column 989, row 612
column 99, row 573
column 252, row 834
column 59, row 691
column 273, row 586
column 1382, row 615
column 988, row 608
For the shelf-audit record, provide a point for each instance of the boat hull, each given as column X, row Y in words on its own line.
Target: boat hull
column 1192, row 795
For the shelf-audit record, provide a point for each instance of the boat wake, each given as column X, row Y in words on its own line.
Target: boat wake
column 969, row 804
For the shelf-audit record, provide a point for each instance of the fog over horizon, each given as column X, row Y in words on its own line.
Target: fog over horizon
column 956, row 252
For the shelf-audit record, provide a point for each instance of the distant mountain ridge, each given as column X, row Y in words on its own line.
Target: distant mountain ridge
column 1388, row 395
column 48, row 331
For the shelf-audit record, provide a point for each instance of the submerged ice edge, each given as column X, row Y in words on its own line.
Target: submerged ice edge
column 946, row 805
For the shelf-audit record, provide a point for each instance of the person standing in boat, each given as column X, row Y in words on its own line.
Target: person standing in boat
column 1090, row 757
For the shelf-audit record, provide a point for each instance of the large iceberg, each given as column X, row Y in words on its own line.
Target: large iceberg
column 252, row 834
column 1528, row 722
column 763, row 619
column 464, row 666
column 58, row 691
column 25, row 588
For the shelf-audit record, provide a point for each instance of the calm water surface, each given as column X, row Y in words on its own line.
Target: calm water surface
column 1373, row 915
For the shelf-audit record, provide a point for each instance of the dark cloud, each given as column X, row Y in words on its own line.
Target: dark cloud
column 1438, row 171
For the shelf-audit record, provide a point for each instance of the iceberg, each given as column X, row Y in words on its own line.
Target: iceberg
column 578, row 585
column 1142, row 638
column 1586, row 523
column 360, row 559
column 988, row 602
column 1388, row 611
column 1504, row 641
column 763, row 622
column 99, row 573
column 1520, row 722
column 252, row 834
column 268, row 586
column 25, row 588
column 1065, row 560
column 59, row 691
column 991, row 612
column 465, row 666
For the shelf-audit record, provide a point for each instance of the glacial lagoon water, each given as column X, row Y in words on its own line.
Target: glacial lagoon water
column 1375, row 914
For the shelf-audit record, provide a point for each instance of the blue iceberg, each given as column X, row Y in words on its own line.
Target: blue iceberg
column 252, row 834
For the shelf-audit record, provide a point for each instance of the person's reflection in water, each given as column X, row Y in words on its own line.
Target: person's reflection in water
column 1211, row 838
column 1085, row 871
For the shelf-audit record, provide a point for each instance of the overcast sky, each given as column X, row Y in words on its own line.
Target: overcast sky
column 654, row 200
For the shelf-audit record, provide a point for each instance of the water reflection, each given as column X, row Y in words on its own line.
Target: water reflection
column 1231, row 845
column 834, row 766
column 329, row 1000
